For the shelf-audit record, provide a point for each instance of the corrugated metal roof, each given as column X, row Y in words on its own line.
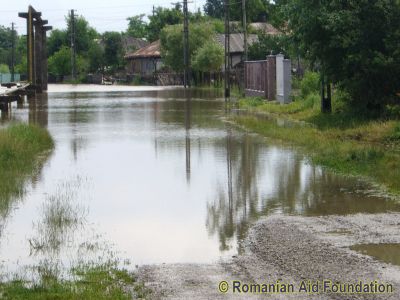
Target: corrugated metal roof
column 236, row 41
column 149, row 51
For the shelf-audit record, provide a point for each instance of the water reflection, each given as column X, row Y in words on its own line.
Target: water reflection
column 170, row 181
column 388, row 253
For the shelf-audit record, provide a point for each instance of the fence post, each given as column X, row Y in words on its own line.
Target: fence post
column 270, row 89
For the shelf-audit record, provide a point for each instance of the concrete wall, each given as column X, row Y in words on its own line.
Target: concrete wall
column 283, row 79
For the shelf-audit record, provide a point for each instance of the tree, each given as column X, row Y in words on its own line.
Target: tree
column 60, row 62
column 57, row 39
column 172, row 42
column 270, row 43
column 4, row 69
column 256, row 9
column 161, row 18
column 354, row 44
column 5, row 45
column 84, row 34
column 113, row 56
column 214, row 8
column 209, row 57
column 95, row 57
column 136, row 26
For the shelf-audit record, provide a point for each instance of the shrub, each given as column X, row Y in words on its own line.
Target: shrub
column 309, row 84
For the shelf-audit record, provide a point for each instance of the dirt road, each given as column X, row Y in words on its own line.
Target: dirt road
column 289, row 249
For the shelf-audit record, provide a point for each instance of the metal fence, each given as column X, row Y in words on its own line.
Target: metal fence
column 6, row 77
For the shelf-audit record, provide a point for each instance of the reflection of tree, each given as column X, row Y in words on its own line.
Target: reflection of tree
column 264, row 179
column 229, row 214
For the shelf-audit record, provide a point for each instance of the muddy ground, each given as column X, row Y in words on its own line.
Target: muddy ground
column 290, row 249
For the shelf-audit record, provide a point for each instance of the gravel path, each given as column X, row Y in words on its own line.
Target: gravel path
column 289, row 249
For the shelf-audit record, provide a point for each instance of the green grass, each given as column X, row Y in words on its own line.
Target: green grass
column 22, row 150
column 89, row 282
column 346, row 141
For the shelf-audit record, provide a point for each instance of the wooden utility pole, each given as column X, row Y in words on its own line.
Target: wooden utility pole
column 227, row 68
column 244, row 29
column 12, row 51
column 186, row 79
column 73, row 45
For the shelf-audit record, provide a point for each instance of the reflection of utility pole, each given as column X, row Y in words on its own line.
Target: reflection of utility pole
column 73, row 45
column 227, row 68
column 186, row 81
column 187, row 127
column 12, row 51
column 229, row 167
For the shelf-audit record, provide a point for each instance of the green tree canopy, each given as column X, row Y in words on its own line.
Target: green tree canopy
column 113, row 51
column 4, row 68
column 57, row 39
column 136, row 26
column 267, row 44
column 256, row 10
column 209, row 57
column 161, row 18
column 172, row 42
column 60, row 62
column 354, row 43
column 84, row 33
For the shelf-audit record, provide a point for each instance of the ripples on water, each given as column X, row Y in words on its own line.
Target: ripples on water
column 157, row 176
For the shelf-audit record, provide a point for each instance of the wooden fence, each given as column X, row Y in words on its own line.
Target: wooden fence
column 260, row 78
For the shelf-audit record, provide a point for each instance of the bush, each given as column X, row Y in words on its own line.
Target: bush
column 309, row 84
column 4, row 68
column 312, row 100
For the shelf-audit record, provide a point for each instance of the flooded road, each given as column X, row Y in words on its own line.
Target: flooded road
column 158, row 176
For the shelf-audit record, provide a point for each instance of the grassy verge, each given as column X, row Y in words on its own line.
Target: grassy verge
column 344, row 141
column 21, row 149
column 99, row 282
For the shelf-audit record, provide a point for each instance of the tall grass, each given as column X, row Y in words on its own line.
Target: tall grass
column 346, row 140
column 22, row 149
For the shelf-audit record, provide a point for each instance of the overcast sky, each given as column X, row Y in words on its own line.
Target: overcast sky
column 103, row 15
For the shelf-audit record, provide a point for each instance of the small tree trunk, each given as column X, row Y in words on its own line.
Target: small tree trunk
column 326, row 100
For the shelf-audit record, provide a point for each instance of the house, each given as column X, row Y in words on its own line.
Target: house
column 145, row 61
column 266, row 28
column 236, row 45
column 130, row 44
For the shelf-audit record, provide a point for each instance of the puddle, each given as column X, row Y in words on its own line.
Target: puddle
column 388, row 253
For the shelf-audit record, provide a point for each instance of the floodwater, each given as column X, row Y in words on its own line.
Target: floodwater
column 388, row 253
column 157, row 175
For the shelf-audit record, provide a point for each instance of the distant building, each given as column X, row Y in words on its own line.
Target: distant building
column 145, row 61
column 266, row 28
column 130, row 44
column 236, row 45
